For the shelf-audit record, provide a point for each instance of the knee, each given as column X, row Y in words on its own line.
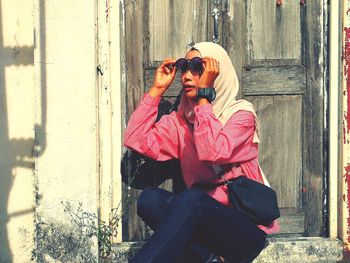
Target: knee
column 148, row 201
column 192, row 198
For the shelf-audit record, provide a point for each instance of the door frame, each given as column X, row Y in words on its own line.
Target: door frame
column 329, row 210
column 109, row 92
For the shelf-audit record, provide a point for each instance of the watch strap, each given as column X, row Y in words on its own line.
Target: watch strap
column 207, row 93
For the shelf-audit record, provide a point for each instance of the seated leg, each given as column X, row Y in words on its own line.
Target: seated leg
column 193, row 215
column 153, row 204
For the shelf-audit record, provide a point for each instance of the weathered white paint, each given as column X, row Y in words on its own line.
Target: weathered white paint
column 54, row 105
column 16, row 131
column 116, row 86
column 66, row 168
column 103, row 86
column 334, row 63
column 345, row 149
column 109, row 88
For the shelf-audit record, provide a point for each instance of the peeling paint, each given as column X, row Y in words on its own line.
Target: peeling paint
column 346, row 125
column 346, row 53
column 347, row 180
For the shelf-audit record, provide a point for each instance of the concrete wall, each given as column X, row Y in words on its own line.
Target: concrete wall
column 66, row 141
column 49, row 131
column 16, row 130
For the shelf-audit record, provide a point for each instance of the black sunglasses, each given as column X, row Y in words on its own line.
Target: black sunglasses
column 195, row 65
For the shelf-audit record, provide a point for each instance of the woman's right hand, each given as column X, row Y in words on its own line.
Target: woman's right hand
column 163, row 78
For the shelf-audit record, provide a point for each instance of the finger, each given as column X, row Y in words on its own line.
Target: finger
column 205, row 62
column 166, row 67
column 167, row 70
column 173, row 72
column 218, row 66
column 214, row 65
column 169, row 64
column 168, row 61
column 210, row 63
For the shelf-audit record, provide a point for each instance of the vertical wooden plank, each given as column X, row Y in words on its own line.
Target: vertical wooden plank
column 134, row 43
column 234, row 37
column 133, row 228
column 334, row 113
column 173, row 24
column 116, row 114
column 104, row 114
column 314, row 145
column 159, row 29
column 109, row 88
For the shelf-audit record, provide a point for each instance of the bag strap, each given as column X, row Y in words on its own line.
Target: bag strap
column 264, row 177
column 221, row 171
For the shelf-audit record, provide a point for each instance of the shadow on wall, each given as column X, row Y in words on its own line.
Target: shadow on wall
column 17, row 152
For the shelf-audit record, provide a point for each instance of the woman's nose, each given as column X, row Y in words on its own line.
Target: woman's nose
column 188, row 74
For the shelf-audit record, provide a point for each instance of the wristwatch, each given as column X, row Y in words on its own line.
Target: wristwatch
column 208, row 93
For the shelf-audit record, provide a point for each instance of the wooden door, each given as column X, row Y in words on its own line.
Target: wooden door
column 278, row 55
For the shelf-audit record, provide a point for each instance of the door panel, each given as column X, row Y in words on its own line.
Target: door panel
column 276, row 80
column 280, row 148
column 273, row 32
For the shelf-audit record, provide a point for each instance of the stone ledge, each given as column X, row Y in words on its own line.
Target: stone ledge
column 281, row 250
column 302, row 249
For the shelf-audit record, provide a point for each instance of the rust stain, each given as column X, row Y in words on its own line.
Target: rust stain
column 347, row 180
column 347, row 79
column 346, row 116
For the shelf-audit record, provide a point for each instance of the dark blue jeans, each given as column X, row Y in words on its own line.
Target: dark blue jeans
column 194, row 219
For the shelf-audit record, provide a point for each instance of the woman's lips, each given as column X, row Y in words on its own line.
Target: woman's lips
column 188, row 88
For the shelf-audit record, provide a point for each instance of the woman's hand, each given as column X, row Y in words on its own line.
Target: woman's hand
column 163, row 78
column 211, row 70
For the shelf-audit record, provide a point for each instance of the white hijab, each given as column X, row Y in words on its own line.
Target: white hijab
column 226, row 86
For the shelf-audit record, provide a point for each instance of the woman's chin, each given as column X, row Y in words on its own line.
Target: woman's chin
column 191, row 93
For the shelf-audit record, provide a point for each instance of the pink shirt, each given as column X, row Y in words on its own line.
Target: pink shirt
column 201, row 148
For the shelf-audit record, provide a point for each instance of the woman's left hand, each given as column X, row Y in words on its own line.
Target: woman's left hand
column 211, row 70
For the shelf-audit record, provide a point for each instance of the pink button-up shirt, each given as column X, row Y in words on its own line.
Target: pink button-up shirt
column 202, row 148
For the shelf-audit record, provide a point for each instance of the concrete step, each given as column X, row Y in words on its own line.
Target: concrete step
column 281, row 250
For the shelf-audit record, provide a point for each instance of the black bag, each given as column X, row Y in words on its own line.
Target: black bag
column 255, row 200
